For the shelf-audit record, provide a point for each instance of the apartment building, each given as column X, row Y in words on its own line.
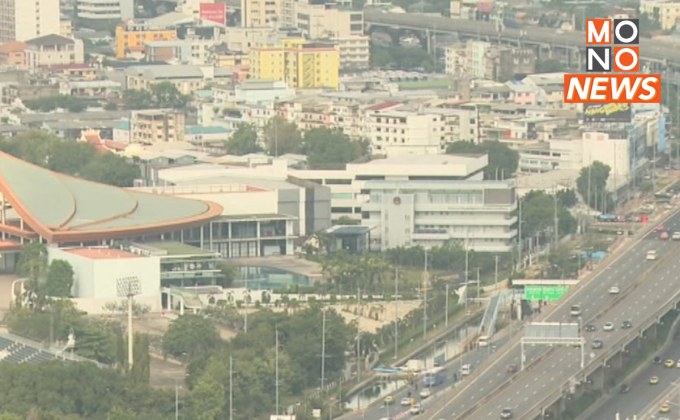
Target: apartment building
column 482, row 60
column 21, row 20
column 665, row 12
column 133, row 36
column 157, row 126
column 105, row 10
column 394, row 131
column 186, row 78
column 299, row 63
column 56, row 50
column 256, row 13
column 181, row 51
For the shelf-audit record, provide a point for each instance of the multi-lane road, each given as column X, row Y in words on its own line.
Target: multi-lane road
column 645, row 286
column 642, row 395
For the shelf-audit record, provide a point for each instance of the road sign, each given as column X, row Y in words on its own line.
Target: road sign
column 548, row 293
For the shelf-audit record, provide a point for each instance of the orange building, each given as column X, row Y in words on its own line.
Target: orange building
column 133, row 36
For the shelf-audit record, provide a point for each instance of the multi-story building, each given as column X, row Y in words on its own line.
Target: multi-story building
column 21, row 20
column 105, row 10
column 393, row 130
column 133, row 36
column 157, row 126
column 482, row 60
column 184, row 51
column 299, row 63
column 260, row 12
column 665, row 12
column 328, row 21
column 186, row 78
column 56, row 50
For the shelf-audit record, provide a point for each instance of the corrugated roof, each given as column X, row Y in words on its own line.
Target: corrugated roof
column 199, row 129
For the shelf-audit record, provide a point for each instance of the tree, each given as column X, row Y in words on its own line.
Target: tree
column 503, row 161
column 190, row 335
column 166, row 95
column 591, row 185
column 137, row 99
column 538, row 215
column 402, row 58
column 550, row 66
column 228, row 272
column 111, row 169
column 281, row 137
column 243, row 141
column 207, row 400
column 59, row 279
column 329, row 148
column 32, row 265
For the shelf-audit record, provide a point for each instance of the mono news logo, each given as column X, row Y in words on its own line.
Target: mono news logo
column 612, row 66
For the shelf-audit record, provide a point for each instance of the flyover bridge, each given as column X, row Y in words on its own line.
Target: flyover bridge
column 658, row 55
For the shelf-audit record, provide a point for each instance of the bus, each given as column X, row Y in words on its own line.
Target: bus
column 433, row 377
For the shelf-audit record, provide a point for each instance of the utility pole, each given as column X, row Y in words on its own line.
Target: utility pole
column 446, row 314
column 467, row 263
column 277, row 371
column 323, row 349
column 478, row 285
column 519, row 243
column 358, row 336
column 425, row 298
column 557, row 229
column 231, row 388
column 495, row 273
column 245, row 306
column 176, row 401
column 396, row 312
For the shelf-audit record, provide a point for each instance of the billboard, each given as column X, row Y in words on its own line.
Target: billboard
column 593, row 113
column 214, row 12
column 548, row 293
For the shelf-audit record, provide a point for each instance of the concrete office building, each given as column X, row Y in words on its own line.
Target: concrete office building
column 103, row 10
column 21, row 20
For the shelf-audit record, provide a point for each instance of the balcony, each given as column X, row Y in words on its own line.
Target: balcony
column 466, row 221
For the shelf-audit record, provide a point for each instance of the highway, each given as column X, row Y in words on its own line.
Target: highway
column 654, row 282
column 649, row 49
column 642, row 394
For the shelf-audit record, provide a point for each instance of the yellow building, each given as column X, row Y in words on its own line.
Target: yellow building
column 301, row 64
column 133, row 36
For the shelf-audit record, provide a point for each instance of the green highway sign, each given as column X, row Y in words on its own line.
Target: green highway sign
column 549, row 293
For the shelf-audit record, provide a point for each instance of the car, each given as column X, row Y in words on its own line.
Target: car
column 389, row 400
column 511, row 369
column 654, row 380
column 678, row 364
column 664, row 236
column 665, row 408
column 651, row 255
column 597, row 344
column 425, row 393
column 626, row 325
column 406, row 401
column 608, row 326
column 624, row 389
column 660, row 229
column 506, row 413
column 614, row 290
column 590, row 328
column 657, row 360
column 669, row 363
column 416, row 409
column 676, row 236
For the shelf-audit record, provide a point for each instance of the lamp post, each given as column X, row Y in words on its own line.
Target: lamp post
column 128, row 287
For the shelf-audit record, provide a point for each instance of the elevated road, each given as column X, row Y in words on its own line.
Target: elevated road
column 645, row 287
column 650, row 50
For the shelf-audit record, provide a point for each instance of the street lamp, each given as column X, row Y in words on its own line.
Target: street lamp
column 128, row 287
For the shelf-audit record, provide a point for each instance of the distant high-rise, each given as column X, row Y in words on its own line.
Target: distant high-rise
column 27, row 19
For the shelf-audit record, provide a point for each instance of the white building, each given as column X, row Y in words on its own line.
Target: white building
column 98, row 270
column 99, row 10
column 400, row 131
column 26, row 19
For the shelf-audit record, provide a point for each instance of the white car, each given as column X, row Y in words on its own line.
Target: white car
column 676, row 236
column 425, row 393
column 651, row 255
column 614, row 290
column 608, row 326
column 406, row 401
column 416, row 409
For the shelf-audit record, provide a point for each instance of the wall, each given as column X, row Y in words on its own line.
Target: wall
column 239, row 204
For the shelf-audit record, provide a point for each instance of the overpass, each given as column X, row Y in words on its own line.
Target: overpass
column 659, row 56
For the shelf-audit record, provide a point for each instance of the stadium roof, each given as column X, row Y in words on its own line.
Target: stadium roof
column 61, row 208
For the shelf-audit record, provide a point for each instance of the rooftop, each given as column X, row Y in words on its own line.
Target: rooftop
column 101, row 253
column 432, row 160
column 50, row 40
column 176, row 248
column 61, row 208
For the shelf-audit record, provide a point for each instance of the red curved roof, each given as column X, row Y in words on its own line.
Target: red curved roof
column 61, row 208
